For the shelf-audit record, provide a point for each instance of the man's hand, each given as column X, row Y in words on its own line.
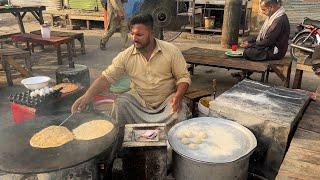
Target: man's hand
column 175, row 103
column 244, row 44
column 80, row 104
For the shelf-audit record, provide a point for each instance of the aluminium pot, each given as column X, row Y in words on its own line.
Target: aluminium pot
column 199, row 164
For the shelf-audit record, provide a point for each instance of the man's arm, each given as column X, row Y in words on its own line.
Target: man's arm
column 273, row 34
column 183, row 80
column 113, row 73
column 99, row 85
column 177, row 99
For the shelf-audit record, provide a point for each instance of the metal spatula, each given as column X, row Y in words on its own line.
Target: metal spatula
column 66, row 119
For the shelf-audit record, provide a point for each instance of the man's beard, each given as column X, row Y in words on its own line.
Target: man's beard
column 143, row 46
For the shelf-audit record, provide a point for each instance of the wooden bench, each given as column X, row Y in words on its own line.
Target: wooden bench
column 73, row 35
column 8, row 54
column 215, row 58
column 302, row 160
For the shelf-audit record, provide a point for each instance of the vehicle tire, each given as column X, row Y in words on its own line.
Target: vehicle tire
column 300, row 40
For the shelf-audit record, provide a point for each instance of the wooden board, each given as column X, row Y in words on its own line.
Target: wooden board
column 302, row 160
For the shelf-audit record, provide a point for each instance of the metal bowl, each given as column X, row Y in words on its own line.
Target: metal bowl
column 36, row 82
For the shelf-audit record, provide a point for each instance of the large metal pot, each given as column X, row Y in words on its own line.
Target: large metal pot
column 197, row 165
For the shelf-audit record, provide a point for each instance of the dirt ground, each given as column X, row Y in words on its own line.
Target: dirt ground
column 45, row 63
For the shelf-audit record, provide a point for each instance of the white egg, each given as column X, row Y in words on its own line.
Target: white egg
column 41, row 93
column 37, row 91
column 47, row 91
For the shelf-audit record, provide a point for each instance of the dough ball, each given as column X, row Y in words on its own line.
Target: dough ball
column 185, row 141
column 193, row 146
column 180, row 135
column 202, row 135
column 188, row 134
column 196, row 140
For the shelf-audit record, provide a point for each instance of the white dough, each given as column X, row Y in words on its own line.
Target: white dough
column 185, row 141
column 188, row 134
column 196, row 140
column 202, row 135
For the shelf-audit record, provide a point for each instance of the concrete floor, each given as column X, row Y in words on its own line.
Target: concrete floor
column 44, row 63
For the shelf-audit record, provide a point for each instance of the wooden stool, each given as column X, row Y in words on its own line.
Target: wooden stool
column 7, row 55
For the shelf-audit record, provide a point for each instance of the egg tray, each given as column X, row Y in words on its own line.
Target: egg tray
column 37, row 102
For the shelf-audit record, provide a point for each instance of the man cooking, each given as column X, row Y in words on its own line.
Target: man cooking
column 272, row 41
column 159, row 79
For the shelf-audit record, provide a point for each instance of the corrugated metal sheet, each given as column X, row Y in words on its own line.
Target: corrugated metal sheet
column 298, row 9
column 50, row 4
column 85, row 4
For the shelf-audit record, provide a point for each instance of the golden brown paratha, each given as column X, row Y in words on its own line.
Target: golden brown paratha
column 92, row 129
column 67, row 87
column 52, row 136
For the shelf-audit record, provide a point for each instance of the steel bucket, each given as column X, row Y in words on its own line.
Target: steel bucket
column 188, row 169
column 223, row 154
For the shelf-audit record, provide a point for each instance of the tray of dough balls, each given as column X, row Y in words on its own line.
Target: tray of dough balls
column 211, row 140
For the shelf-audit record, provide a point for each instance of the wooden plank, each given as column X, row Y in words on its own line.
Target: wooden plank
column 227, row 63
column 79, row 17
column 289, row 175
column 60, row 34
column 306, row 139
column 304, row 67
column 299, row 169
column 197, row 93
column 303, row 155
column 310, row 119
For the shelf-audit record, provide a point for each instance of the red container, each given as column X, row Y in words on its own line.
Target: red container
column 22, row 113
column 234, row 47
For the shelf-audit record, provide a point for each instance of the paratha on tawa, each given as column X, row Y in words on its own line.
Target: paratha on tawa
column 92, row 129
column 67, row 87
column 52, row 136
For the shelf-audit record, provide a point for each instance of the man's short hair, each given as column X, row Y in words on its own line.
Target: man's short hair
column 145, row 19
column 269, row 2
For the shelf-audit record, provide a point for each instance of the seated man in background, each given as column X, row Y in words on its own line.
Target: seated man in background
column 272, row 41
column 159, row 79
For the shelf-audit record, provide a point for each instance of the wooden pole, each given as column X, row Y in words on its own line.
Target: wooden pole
column 231, row 22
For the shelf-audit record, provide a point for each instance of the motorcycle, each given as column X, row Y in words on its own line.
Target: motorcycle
column 306, row 39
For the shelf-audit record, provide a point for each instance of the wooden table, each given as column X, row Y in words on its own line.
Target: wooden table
column 73, row 35
column 20, row 12
column 54, row 41
column 302, row 160
column 216, row 58
column 8, row 54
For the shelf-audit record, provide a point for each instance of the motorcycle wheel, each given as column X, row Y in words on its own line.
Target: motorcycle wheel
column 302, row 41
